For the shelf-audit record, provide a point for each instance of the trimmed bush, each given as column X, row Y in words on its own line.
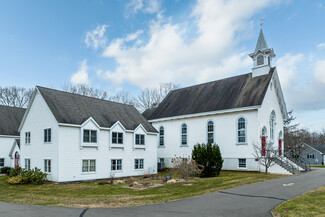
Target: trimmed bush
column 15, row 172
column 8, row 171
column 209, row 156
column 15, row 180
column 4, row 170
column 33, row 176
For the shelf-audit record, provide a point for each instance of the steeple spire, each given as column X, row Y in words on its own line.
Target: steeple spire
column 261, row 42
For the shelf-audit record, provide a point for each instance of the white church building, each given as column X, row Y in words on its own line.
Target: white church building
column 234, row 113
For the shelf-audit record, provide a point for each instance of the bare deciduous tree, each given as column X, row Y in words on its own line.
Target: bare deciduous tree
column 151, row 97
column 266, row 155
column 85, row 90
column 186, row 167
column 15, row 96
column 123, row 97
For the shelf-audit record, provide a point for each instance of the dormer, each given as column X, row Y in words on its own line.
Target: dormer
column 262, row 57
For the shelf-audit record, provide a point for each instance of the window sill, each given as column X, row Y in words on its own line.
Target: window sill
column 88, row 173
column 92, row 145
column 183, row 146
column 116, row 171
column 241, row 143
column 46, row 143
column 161, row 146
column 116, row 146
column 140, row 147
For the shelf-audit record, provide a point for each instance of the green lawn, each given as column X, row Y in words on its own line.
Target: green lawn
column 90, row 194
column 318, row 166
column 309, row 204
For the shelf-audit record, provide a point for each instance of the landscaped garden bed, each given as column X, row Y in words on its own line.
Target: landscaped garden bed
column 101, row 194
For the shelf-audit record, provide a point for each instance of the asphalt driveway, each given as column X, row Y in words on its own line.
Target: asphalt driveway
column 250, row 200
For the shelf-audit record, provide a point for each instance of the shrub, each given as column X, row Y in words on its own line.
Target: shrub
column 209, row 156
column 4, row 170
column 15, row 172
column 8, row 171
column 33, row 176
column 15, row 180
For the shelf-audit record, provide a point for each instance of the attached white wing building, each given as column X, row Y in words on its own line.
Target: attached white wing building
column 234, row 113
column 10, row 118
column 73, row 137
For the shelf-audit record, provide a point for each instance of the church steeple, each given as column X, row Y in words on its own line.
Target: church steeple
column 261, row 57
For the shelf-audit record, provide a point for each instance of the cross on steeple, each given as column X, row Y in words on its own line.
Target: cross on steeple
column 261, row 23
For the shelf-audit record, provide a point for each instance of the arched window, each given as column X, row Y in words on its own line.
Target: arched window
column 161, row 136
column 263, row 140
column 280, row 143
column 241, row 130
column 260, row 60
column 184, row 134
column 272, row 125
column 210, row 132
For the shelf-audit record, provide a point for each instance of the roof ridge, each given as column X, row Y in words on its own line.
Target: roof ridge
column 79, row 95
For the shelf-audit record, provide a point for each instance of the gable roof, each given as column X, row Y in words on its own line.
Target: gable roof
column 10, row 118
column 229, row 93
column 16, row 142
column 320, row 148
column 69, row 108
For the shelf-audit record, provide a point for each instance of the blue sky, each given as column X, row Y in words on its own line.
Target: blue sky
column 128, row 45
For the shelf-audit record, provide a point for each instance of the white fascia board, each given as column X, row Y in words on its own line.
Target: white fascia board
column 207, row 113
column 9, row 136
column 313, row 148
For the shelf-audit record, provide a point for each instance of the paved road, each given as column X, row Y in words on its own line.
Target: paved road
column 250, row 200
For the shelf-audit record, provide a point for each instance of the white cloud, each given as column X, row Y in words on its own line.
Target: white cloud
column 321, row 46
column 145, row 6
column 81, row 76
column 96, row 38
column 320, row 71
column 288, row 69
column 173, row 53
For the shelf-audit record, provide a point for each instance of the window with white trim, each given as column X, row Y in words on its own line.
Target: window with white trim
column 116, row 164
column 310, row 156
column 161, row 136
column 90, row 136
column 27, row 164
column 27, row 138
column 138, row 164
column 117, row 138
column 242, row 163
column 47, row 135
column 2, row 162
column 210, row 129
column 47, row 166
column 88, row 166
column 184, row 134
column 272, row 125
column 241, row 130
column 139, row 139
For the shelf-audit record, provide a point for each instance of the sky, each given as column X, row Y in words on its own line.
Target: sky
column 133, row 44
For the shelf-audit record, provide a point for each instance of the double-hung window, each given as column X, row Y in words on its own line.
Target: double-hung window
column 27, row 138
column 90, row 136
column 210, row 132
column 184, row 134
column 138, row 164
column 117, row 138
column 161, row 136
column 2, row 162
column 47, row 166
column 241, row 130
column 139, row 139
column 116, row 164
column 27, row 164
column 88, row 166
column 242, row 163
column 47, row 135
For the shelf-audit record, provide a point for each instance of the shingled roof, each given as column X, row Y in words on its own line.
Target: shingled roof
column 10, row 118
column 69, row 108
column 320, row 148
column 229, row 93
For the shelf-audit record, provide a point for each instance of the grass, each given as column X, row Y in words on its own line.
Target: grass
column 308, row 204
column 318, row 166
column 90, row 194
